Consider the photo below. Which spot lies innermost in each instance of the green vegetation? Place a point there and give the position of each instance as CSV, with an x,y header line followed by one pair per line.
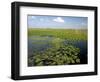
x,y
78,34
59,53
66,54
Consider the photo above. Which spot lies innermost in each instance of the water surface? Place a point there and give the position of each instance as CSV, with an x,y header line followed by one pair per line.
x,y
38,43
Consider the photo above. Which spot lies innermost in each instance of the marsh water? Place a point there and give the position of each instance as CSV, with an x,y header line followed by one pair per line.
x,y
38,43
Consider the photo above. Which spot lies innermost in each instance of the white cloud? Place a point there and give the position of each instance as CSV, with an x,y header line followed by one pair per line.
x,y
58,19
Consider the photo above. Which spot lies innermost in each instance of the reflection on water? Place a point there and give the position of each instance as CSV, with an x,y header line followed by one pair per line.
x,y
38,43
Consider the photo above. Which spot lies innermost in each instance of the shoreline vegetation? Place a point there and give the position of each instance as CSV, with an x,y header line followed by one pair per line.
x,y
61,53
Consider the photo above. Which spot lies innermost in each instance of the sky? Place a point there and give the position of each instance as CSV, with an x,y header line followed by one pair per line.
x,y
57,22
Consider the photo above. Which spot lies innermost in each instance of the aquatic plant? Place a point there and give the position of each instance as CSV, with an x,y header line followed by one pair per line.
x,y
65,54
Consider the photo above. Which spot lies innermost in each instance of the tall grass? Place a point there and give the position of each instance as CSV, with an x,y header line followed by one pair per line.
x,y
71,34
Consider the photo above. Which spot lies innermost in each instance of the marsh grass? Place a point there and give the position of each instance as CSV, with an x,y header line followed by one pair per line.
x,y
69,34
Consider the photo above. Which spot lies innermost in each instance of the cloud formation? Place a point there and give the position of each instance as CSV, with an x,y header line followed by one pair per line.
x,y
58,19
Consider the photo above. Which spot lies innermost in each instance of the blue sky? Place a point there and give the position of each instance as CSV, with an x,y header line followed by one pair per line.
x,y
60,22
